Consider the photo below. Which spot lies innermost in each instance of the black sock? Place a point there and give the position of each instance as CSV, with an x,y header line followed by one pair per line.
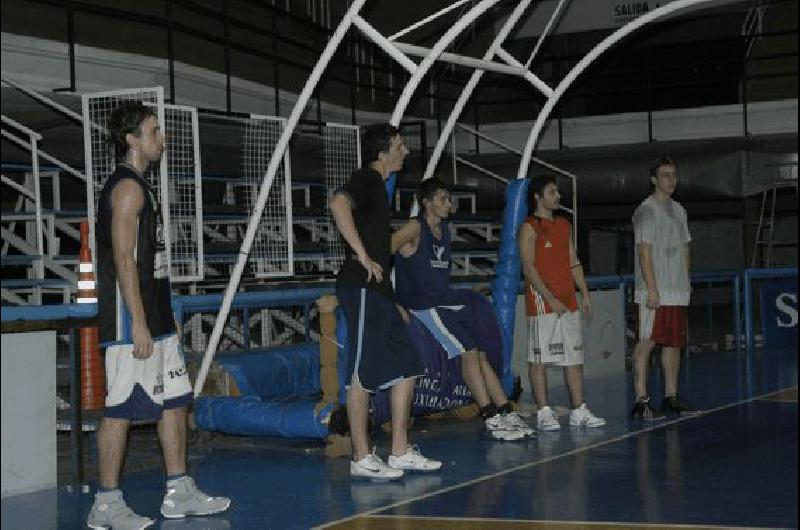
x,y
505,408
488,411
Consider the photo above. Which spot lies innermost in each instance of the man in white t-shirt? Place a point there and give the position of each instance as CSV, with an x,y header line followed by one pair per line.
x,y
662,289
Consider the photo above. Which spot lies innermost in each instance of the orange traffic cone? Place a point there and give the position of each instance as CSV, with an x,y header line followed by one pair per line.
x,y
93,386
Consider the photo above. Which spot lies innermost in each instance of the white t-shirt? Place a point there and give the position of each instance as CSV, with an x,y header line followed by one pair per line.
x,y
664,226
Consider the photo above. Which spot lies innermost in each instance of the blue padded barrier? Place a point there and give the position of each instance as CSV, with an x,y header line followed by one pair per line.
x,y
277,372
253,416
280,388
505,287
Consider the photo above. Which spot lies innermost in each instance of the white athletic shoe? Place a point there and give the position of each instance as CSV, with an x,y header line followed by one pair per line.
x,y
515,420
546,420
373,467
499,429
413,460
110,512
583,416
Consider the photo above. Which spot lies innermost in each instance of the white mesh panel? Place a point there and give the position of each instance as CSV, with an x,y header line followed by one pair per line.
x,y
99,150
185,193
272,250
342,156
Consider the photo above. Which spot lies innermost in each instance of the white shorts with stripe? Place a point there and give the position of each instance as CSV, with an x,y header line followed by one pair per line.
x,y
143,388
555,340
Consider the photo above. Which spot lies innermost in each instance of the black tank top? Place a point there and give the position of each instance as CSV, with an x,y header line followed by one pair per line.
x,y
151,263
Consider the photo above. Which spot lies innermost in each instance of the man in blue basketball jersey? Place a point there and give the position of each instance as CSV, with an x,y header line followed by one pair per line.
x,y
422,278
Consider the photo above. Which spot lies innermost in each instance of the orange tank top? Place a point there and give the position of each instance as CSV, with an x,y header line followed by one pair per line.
x,y
553,265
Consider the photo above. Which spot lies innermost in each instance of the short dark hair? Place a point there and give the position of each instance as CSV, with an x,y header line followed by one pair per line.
x,y
428,188
374,139
127,119
661,161
536,187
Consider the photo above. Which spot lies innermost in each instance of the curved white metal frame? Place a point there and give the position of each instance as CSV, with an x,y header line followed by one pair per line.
x,y
418,71
469,88
423,67
350,18
605,44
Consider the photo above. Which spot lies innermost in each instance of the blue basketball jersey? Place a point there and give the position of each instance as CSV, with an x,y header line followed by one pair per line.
x,y
422,280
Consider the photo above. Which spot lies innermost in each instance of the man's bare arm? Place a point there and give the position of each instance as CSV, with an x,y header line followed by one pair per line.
x,y
648,274
580,278
127,200
406,234
688,257
342,211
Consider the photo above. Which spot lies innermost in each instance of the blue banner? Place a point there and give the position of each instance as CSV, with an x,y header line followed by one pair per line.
x,y
779,312
443,387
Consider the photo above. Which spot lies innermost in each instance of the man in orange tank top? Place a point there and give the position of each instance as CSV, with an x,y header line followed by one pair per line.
x,y
551,268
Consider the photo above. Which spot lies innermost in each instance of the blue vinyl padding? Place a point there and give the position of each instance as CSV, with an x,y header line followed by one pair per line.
x,y
254,416
277,372
280,387
505,287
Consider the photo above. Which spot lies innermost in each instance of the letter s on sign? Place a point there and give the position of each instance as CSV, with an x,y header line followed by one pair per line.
x,y
786,303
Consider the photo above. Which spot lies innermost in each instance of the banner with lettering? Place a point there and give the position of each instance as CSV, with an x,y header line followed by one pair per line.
x,y
443,387
779,312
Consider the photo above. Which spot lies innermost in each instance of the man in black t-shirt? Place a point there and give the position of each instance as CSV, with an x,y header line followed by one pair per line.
x,y
381,355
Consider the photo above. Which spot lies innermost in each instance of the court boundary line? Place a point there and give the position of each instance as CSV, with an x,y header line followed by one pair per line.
x,y
614,524
528,465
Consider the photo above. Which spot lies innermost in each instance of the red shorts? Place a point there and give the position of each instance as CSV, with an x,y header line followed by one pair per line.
x,y
666,326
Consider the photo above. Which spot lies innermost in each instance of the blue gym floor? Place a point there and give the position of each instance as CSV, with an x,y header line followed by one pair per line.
x,y
735,465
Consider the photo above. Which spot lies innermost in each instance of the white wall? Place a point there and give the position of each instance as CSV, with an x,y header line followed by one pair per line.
x,y
28,412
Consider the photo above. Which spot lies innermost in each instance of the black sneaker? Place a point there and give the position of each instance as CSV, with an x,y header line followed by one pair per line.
x,y
642,410
676,405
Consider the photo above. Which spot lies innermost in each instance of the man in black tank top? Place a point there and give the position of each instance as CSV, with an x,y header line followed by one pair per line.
x,y
146,375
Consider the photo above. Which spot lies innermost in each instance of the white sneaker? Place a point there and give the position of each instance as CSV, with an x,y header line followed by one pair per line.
x,y
515,420
546,420
413,461
583,416
109,511
499,429
373,467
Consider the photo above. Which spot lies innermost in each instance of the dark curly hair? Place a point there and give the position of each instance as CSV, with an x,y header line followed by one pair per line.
x,y
127,119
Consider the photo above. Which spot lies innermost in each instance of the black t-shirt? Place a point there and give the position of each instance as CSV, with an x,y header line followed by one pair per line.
x,y
367,193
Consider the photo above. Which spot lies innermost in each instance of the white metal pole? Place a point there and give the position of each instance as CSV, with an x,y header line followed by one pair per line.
x,y
37,191
546,30
427,19
46,101
510,149
437,49
384,43
458,108
604,45
198,193
464,60
269,176
527,74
